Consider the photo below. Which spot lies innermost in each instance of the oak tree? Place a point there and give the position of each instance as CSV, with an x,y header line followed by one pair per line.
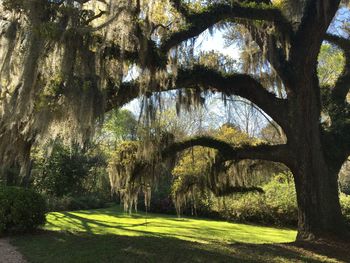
x,y
65,61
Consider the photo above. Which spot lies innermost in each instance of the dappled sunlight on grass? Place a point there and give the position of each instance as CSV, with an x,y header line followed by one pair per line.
x,y
114,221
110,235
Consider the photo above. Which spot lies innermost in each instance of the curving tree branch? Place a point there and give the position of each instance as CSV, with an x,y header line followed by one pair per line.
x,y
204,78
242,85
180,7
198,22
274,153
341,88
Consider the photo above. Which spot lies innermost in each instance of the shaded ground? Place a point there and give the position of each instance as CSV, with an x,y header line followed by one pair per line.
x,y
109,235
8,253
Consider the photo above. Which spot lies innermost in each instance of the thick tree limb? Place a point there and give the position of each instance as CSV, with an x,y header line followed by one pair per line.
x,y
341,42
213,14
240,13
115,52
200,77
342,86
119,96
198,22
242,85
180,7
274,153
315,21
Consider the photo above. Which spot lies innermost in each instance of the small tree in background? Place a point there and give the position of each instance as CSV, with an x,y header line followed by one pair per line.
x,y
65,171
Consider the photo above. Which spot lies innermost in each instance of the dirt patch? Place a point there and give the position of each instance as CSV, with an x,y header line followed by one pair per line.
x,y
8,253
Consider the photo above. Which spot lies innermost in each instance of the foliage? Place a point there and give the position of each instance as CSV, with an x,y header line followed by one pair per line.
x,y
65,171
119,125
197,178
213,59
71,178
272,133
344,184
70,203
124,168
276,206
331,62
190,179
10,175
344,178
135,167
345,204
20,209
161,201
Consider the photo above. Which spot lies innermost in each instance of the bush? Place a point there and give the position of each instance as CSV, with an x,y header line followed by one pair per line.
x,y
276,206
345,205
20,209
71,203
68,171
161,205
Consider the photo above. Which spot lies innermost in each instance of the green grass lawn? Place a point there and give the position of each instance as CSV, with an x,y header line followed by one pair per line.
x,y
109,235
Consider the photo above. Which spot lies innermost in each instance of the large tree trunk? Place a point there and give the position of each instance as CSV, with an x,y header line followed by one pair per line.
x,y
316,181
318,201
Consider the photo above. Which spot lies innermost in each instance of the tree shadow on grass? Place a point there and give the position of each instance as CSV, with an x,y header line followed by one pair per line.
x,y
54,246
336,250
51,246
77,222
169,247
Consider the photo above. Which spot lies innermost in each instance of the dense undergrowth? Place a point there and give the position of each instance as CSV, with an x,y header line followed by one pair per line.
x,y
276,206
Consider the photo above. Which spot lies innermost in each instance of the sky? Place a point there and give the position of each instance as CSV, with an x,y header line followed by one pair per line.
x,y
216,42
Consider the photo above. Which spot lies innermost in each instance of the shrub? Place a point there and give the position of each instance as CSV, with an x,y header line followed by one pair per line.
x,y
68,171
71,203
20,209
161,205
276,206
345,205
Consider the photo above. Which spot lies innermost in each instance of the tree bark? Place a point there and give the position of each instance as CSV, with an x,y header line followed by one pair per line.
x,y
319,212
316,179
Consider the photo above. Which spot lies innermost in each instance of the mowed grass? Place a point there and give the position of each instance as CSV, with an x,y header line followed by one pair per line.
x,y
110,235
113,221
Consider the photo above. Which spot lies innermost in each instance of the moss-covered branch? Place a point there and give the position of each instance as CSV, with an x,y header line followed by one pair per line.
x,y
180,7
207,79
274,153
200,21
242,85
114,51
